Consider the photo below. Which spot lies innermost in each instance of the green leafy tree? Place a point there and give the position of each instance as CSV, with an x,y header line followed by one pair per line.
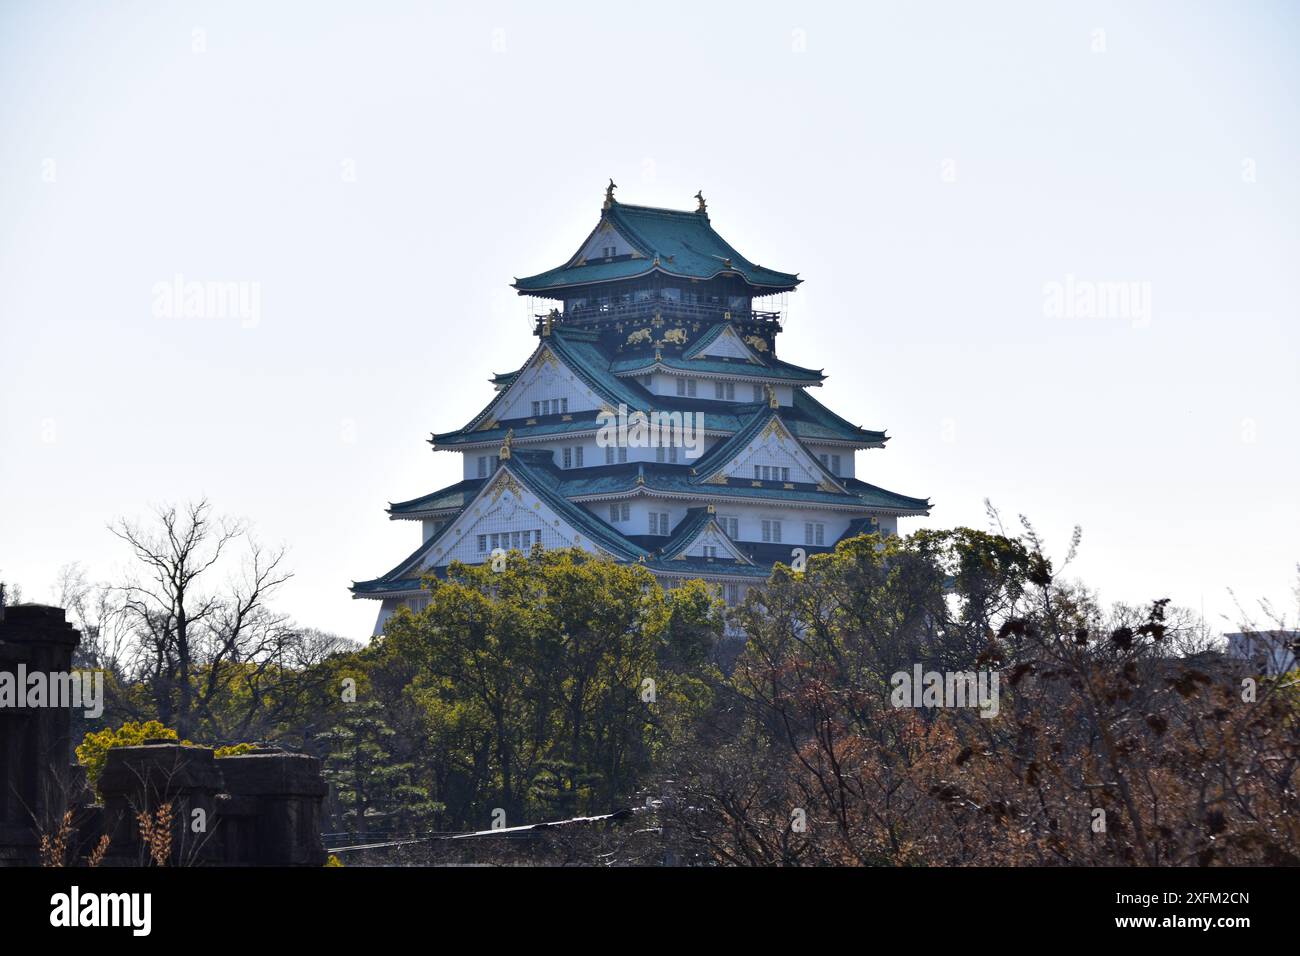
x,y
551,683
92,752
375,790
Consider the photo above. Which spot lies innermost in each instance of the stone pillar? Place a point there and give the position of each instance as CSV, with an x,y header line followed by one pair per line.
x,y
143,779
272,816
36,787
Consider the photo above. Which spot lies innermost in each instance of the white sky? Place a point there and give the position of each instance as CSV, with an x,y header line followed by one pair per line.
x,y
481,137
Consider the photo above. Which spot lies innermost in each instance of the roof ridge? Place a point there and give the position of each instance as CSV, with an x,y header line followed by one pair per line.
x,y
638,206
723,451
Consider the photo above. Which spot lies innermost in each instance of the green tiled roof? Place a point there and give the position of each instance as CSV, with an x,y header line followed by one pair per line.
x,y
668,240
813,421
724,451
581,353
704,567
714,421
620,479
876,497
546,426
536,473
707,339
677,479
684,535
695,521
775,370
453,496
378,587
808,419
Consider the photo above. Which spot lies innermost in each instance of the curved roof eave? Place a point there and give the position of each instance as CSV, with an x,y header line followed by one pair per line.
x,y
771,287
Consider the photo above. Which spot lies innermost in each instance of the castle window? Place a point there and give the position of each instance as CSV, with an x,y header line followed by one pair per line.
x,y
482,544
731,525
537,408
814,532
567,454
835,464
622,456
577,457
771,531
785,474
758,393
482,466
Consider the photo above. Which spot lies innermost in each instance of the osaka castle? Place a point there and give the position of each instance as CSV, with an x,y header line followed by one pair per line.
x,y
652,423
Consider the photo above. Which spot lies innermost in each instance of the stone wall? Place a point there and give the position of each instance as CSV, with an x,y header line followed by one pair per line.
x,y
36,782
256,809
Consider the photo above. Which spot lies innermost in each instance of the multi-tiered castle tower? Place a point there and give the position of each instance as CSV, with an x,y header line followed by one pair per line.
x,y
653,423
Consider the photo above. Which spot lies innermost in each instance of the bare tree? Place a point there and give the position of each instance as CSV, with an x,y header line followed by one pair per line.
x,y
191,637
96,610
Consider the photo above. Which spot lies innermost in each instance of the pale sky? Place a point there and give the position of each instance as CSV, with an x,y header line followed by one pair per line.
x,y
381,171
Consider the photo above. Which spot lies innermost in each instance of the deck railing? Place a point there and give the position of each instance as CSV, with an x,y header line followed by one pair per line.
x,y
668,309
